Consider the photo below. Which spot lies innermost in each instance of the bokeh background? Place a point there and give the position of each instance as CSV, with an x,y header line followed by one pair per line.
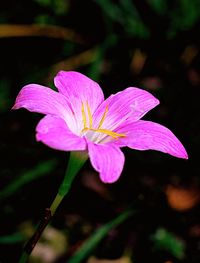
x,y
151,44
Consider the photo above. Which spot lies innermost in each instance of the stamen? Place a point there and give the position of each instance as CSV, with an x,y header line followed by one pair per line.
x,y
103,117
114,135
110,133
89,114
83,116
85,129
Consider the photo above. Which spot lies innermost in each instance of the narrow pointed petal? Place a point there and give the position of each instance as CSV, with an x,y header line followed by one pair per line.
x,y
147,135
37,98
53,132
108,160
132,102
75,85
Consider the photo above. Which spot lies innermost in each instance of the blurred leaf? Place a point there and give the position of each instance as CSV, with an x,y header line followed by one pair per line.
x,y
14,30
44,19
59,7
12,239
129,8
90,244
136,28
96,67
185,14
160,6
190,12
138,60
182,198
169,242
189,54
111,9
46,3
126,15
40,170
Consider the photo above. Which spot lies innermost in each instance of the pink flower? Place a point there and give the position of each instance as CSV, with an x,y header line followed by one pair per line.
x,y
79,119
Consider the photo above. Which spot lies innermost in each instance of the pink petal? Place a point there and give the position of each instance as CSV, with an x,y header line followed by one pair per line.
x,y
44,100
53,132
132,102
108,160
77,86
145,135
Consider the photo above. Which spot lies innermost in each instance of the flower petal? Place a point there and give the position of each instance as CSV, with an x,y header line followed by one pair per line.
x,y
37,98
132,102
76,85
53,132
108,160
145,135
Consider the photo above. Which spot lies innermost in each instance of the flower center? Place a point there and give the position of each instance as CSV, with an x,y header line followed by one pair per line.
x,y
88,119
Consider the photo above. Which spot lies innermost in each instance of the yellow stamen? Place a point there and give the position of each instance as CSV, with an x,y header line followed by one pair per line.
x,y
85,129
89,115
114,135
83,116
110,133
103,117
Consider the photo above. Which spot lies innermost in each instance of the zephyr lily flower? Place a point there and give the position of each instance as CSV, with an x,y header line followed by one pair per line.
x,y
79,119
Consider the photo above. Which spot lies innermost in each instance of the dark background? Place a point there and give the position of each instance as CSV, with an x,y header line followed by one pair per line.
x,y
152,44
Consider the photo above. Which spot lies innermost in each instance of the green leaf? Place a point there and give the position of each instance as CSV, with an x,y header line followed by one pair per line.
x,y
96,67
44,19
40,170
89,245
112,10
12,239
61,7
160,6
137,28
164,240
127,15
184,15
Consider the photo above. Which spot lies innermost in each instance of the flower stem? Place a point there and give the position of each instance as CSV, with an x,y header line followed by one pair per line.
x,y
76,161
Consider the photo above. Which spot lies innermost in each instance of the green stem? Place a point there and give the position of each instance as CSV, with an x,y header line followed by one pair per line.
x,y
24,258
76,161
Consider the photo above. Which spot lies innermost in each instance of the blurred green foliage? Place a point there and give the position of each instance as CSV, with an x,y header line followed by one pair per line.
x,y
59,7
126,15
159,6
165,240
12,239
92,242
181,15
40,170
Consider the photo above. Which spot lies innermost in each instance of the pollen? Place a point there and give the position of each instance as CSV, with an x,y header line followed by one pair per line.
x,y
87,117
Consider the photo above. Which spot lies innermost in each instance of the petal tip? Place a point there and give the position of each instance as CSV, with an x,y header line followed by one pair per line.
x,y
157,102
14,107
108,179
185,155
179,152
